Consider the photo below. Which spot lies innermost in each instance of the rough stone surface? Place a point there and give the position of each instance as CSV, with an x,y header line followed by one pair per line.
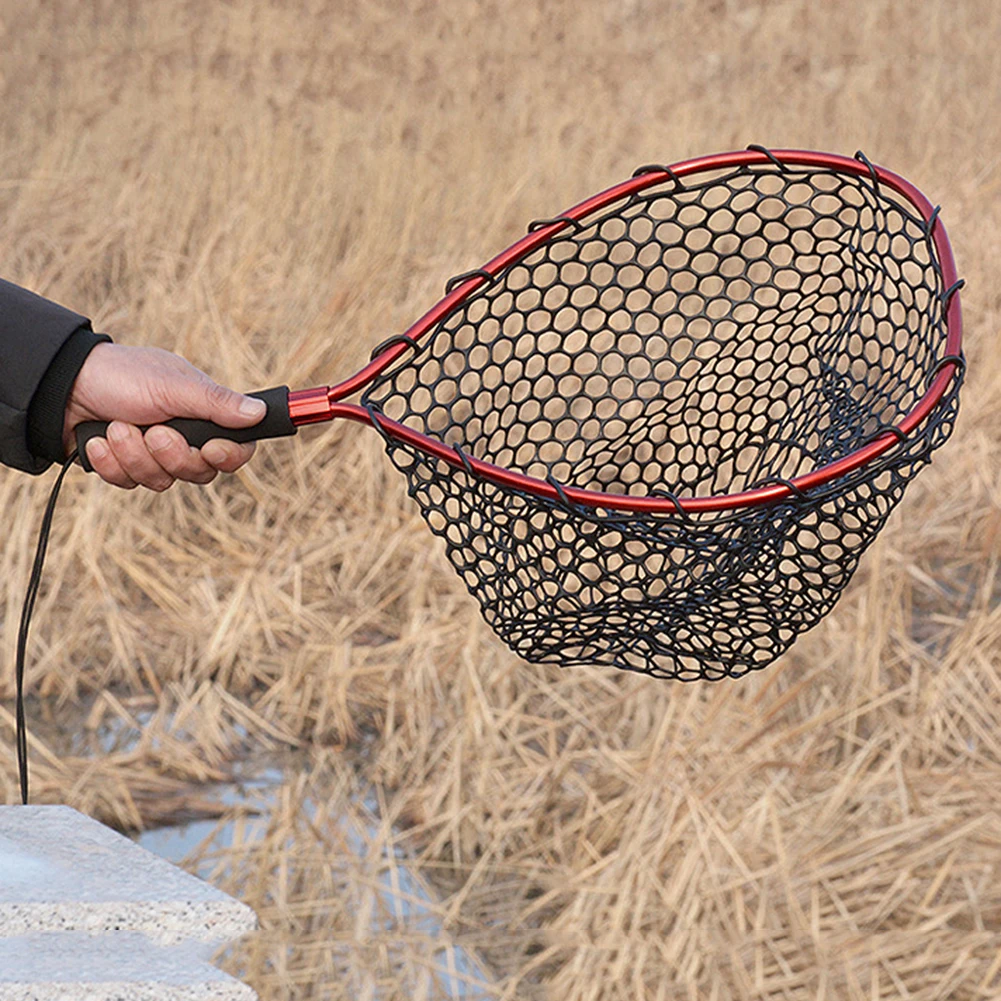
x,y
87,914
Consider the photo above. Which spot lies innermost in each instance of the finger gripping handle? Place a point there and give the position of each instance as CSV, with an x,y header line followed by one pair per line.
x,y
276,423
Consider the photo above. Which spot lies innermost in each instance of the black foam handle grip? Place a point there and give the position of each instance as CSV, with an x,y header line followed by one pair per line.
x,y
276,423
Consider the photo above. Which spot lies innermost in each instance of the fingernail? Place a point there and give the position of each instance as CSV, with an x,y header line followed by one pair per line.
x,y
252,407
216,452
97,449
157,439
117,431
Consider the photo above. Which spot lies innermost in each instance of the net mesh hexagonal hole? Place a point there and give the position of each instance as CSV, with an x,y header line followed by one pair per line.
x,y
695,339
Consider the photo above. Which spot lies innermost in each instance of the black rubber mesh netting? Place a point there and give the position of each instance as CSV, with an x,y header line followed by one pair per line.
x,y
699,340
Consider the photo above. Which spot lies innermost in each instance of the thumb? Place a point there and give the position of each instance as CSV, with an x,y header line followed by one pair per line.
x,y
204,399
232,409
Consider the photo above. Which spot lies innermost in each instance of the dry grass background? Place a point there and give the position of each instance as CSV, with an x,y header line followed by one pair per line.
x,y
272,188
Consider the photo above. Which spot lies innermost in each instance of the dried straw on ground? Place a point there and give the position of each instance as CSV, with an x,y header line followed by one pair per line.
x,y
271,189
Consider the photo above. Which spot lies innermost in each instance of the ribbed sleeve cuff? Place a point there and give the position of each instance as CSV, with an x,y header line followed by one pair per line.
x,y
47,410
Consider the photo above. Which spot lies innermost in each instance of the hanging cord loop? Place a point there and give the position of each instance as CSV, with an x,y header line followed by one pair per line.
x,y
22,636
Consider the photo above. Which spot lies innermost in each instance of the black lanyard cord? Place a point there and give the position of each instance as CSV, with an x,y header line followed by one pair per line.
x,y
22,636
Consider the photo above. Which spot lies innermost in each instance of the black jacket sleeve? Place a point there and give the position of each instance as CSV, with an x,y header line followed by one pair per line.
x,y
42,348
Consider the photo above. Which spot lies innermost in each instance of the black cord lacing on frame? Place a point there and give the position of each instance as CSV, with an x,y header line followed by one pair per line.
x,y
22,634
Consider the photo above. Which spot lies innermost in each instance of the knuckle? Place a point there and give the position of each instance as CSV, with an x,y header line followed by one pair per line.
x,y
111,471
135,471
218,396
161,397
118,480
124,448
180,463
202,477
169,453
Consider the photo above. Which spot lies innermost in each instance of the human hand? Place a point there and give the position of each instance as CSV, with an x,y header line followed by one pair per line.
x,y
132,386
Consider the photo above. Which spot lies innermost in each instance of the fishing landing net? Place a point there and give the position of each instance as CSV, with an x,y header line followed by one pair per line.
x,y
659,431
757,345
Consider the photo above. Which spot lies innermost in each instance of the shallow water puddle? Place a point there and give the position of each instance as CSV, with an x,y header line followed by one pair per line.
x,y
403,905
402,893
177,841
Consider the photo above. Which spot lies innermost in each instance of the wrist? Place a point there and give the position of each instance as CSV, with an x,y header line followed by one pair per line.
x,y
47,411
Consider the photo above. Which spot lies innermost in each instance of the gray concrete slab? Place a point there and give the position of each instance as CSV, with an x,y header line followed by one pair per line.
x,y
87,914
111,965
